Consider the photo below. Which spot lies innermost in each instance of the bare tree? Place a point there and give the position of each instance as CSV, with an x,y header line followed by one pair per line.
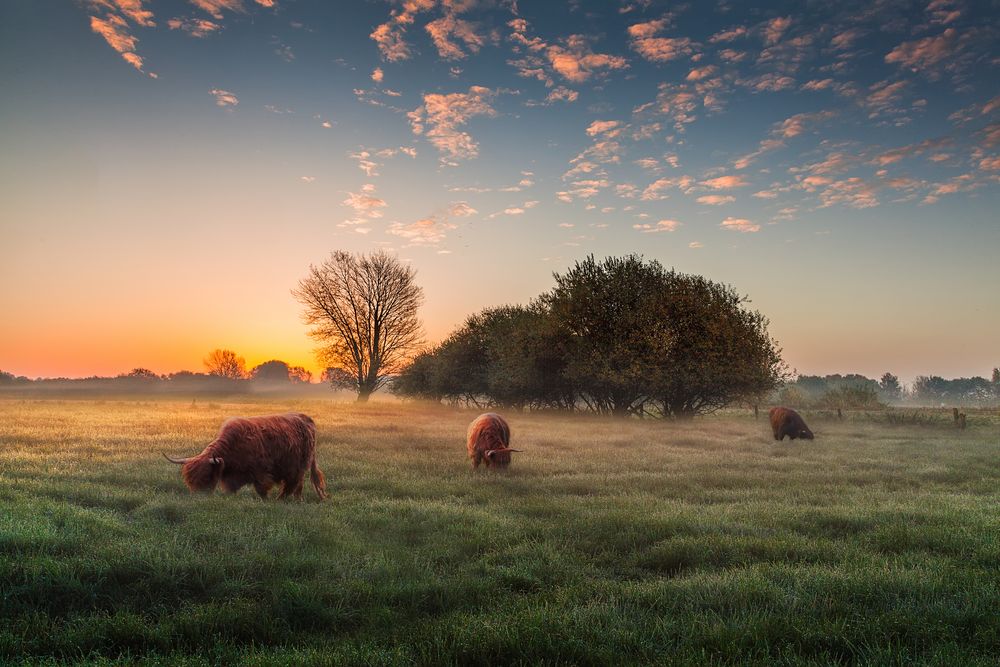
x,y
363,308
225,363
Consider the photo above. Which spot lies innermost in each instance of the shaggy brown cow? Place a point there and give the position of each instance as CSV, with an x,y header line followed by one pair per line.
x,y
785,421
489,441
263,451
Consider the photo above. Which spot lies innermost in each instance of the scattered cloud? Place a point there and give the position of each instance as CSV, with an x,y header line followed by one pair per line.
x,y
696,244
442,115
428,231
661,226
561,94
775,28
365,203
658,49
716,200
739,225
377,75
725,182
573,58
923,54
224,98
388,36
194,27
115,29
450,33
461,209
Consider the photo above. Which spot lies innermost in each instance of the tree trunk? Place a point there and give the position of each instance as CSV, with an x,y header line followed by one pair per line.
x,y
364,395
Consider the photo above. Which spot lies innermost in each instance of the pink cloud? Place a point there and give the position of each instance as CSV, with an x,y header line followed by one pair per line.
x,y
716,200
845,39
388,36
661,226
795,125
441,116
224,98
728,35
216,7
658,49
739,225
194,27
377,75
699,73
446,33
562,94
115,32
725,182
602,127
922,54
577,62
425,232
817,84
990,163
775,28
854,192
131,9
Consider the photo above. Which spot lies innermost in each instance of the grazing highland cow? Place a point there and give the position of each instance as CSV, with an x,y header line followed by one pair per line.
x,y
785,421
263,451
489,441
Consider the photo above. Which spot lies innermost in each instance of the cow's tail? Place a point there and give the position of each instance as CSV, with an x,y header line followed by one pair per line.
x,y
318,480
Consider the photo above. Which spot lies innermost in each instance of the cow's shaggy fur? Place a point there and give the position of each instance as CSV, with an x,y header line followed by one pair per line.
x,y
785,421
264,451
488,441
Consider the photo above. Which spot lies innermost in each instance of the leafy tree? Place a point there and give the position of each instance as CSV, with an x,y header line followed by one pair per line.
x,y
890,388
274,370
622,336
611,314
299,374
996,376
226,364
852,397
363,309
141,373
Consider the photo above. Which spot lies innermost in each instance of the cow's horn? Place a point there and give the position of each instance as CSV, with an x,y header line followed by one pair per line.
x,y
177,461
216,461
501,451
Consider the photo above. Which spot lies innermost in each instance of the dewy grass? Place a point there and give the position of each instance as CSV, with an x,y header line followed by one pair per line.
x,y
607,542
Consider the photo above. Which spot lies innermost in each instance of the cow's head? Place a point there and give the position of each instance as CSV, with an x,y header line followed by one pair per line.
x,y
499,458
202,472
806,434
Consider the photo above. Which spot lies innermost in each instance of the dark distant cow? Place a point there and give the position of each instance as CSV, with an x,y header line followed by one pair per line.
x,y
263,451
785,421
489,441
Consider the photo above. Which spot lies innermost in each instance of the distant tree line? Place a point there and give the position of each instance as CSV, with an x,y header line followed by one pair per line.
x,y
859,392
226,374
622,336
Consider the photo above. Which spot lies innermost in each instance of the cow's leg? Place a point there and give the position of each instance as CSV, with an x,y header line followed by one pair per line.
x,y
293,487
263,485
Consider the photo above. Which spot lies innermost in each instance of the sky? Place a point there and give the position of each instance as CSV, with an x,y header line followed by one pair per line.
x,y
169,169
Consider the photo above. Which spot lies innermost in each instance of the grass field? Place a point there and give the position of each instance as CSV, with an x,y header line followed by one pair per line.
x,y
607,542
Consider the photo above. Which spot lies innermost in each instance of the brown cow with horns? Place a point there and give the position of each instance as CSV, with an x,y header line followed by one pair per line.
x,y
489,441
263,451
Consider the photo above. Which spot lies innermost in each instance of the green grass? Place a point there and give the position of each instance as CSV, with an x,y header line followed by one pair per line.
x,y
606,543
